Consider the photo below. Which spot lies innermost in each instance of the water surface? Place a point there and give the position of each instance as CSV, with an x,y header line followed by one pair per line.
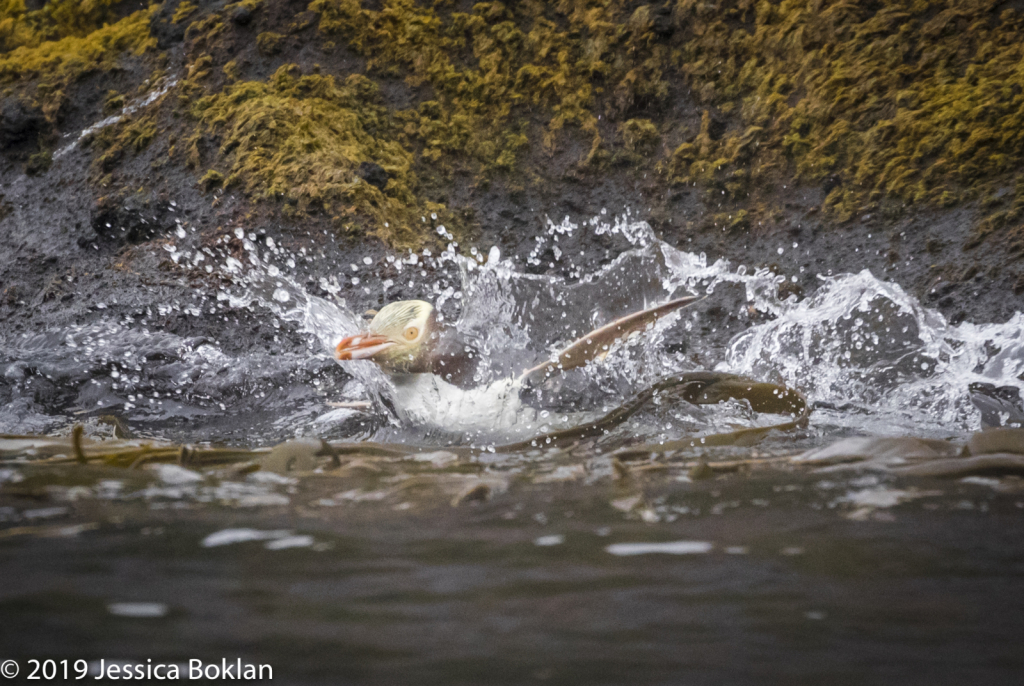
x,y
444,558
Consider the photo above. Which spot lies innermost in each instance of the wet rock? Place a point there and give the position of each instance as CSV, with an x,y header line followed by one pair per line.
x,y
241,15
996,441
166,32
661,21
19,122
717,129
10,295
373,174
999,405
130,221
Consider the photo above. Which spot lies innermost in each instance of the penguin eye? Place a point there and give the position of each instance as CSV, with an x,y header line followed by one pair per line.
x,y
411,333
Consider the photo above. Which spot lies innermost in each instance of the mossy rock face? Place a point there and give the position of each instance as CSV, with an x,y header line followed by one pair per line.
x,y
493,67
49,49
639,135
269,43
111,143
882,105
301,139
54,20
910,99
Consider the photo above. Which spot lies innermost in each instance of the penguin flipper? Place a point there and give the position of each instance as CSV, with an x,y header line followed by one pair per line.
x,y
595,345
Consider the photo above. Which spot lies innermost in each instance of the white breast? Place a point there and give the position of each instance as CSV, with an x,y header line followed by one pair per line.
x,y
429,399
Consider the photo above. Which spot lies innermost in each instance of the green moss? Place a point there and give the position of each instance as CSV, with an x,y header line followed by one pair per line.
x,y
205,30
55,53
184,11
39,163
138,134
131,135
56,19
269,43
913,99
231,71
300,139
212,179
493,67
113,102
729,221
639,135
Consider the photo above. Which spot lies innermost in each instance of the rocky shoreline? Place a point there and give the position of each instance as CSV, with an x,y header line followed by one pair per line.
x,y
83,229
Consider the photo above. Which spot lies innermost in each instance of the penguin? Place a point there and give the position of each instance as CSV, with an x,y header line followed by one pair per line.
x,y
405,337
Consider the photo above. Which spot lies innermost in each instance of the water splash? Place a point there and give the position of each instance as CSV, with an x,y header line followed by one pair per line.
x,y
873,358
868,355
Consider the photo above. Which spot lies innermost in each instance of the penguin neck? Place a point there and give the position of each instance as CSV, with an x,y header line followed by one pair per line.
x,y
452,358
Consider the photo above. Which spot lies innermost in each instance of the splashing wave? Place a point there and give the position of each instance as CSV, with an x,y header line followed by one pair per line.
x,y
867,354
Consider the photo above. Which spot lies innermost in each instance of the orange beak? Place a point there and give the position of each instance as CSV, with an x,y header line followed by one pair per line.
x,y
362,346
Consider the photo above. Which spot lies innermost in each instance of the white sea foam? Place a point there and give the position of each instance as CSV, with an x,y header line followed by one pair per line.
x,y
868,355
668,548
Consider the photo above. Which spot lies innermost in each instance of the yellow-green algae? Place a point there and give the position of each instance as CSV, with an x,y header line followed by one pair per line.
x,y
183,11
493,67
56,45
301,138
918,100
269,42
131,135
914,100
54,20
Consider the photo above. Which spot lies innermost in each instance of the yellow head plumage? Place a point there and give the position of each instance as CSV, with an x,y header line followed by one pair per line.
x,y
395,338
